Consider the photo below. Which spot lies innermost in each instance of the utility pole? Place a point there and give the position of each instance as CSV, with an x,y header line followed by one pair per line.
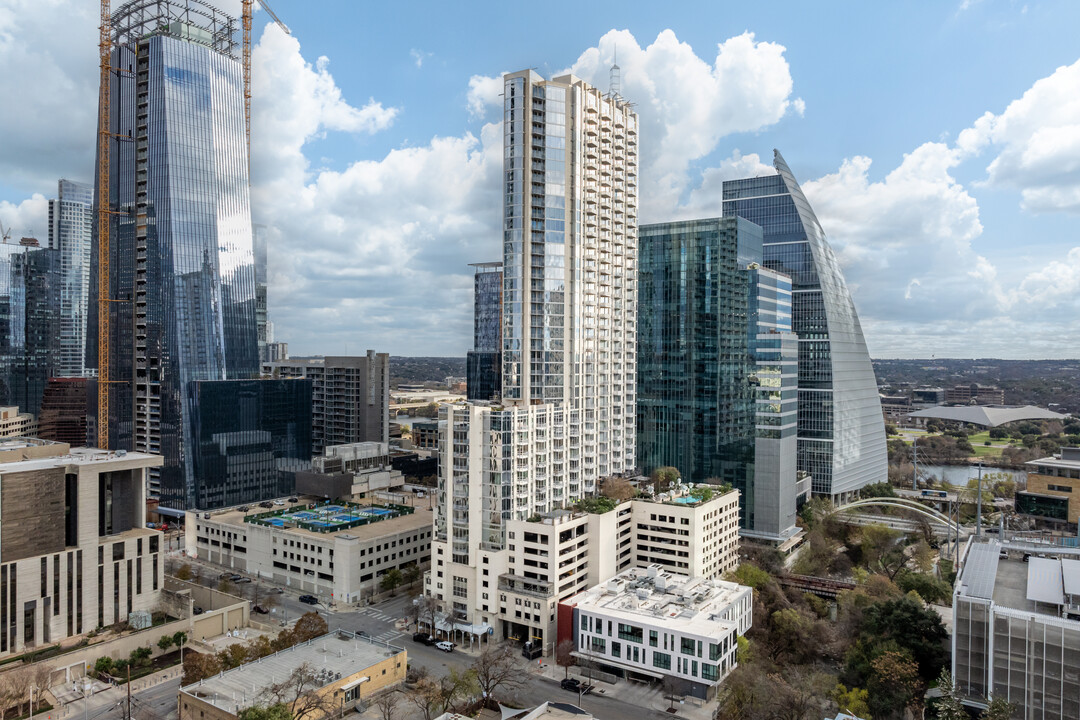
x,y
129,692
978,506
915,460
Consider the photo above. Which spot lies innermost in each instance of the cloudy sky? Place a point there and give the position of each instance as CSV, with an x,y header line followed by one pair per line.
x,y
938,142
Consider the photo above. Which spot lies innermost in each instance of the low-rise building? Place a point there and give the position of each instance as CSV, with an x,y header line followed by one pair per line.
x,y
350,471
75,553
1016,628
16,424
974,394
425,434
515,587
337,551
648,623
1053,488
336,671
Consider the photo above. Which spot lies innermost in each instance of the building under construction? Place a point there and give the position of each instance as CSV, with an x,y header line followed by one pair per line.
x,y
174,204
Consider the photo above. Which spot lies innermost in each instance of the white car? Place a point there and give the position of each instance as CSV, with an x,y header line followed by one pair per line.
x,y
279,502
445,645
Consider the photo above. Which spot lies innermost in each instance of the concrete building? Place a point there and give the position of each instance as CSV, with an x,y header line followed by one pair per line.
x,y
425,434
71,217
75,553
350,472
341,668
514,589
974,394
1053,488
16,424
63,411
1016,628
337,551
651,624
350,397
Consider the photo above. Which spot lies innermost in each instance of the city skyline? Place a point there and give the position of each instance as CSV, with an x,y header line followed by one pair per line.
x,y
920,190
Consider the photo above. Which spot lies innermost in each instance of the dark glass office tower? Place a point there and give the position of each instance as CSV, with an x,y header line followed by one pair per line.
x,y
841,433
250,438
181,268
484,362
30,281
696,402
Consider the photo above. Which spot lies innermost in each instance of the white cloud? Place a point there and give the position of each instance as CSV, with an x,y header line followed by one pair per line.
x,y
29,218
483,92
687,103
1037,139
706,199
419,56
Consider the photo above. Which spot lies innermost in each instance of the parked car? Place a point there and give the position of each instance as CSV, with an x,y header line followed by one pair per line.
x,y
260,610
197,610
309,599
275,591
571,684
266,504
242,580
243,508
423,638
279,502
225,576
294,499
362,633
445,646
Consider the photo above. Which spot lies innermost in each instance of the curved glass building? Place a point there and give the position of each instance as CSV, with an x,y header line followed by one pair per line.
x,y
841,432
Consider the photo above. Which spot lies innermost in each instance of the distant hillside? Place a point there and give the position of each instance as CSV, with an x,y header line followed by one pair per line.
x,y
410,370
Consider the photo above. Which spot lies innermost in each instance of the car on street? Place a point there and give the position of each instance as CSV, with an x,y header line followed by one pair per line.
x,y
445,646
294,499
260,610
242,580
225,576
309,599
266,504
243,508
423,638
275,591
279,502
571,684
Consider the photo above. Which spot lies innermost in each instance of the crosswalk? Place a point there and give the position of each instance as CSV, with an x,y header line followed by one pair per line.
x,y
388,636
377,614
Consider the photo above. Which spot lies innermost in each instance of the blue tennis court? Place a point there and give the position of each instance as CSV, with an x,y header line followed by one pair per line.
x,y
331,517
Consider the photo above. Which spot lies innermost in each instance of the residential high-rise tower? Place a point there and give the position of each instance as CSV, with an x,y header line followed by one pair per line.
x,y
841,433
71,217
483,363
182,277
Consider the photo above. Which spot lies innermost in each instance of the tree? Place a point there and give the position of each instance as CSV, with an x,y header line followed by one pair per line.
x,y
300,693
424,695
894,682
878,489
411,574
496,670
140,655
179,638
928,587
998,709
225,585
387,703
199,666
913,627
391,580
948,706
165,642
424,609
853,701
280,711
456,685
664,477
617,488
564,655
104,665
791,633
310,625
184,572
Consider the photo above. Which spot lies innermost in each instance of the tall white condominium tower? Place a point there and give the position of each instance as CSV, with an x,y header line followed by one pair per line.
x,y
70,225
568,326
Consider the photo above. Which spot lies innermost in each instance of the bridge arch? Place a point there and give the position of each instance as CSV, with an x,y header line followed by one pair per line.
x,y
904,504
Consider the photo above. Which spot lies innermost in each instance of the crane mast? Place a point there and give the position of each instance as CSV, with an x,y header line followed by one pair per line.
x,y
104,137
248,7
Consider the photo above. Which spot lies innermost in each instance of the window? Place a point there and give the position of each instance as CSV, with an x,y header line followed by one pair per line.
x,y
584,622
599,645
616,649
708,672
661,660
688,646
630,632
714,652
652,638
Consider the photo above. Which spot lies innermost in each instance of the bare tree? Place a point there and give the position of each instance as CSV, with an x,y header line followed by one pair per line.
x,y
387,703
424,609
496,669
426,697
300,692
564,655
617,488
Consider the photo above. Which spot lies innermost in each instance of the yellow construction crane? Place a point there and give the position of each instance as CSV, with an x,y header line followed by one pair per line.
x,y
104,137
249,6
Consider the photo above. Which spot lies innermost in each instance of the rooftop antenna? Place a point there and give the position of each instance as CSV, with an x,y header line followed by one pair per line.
x,y
615,78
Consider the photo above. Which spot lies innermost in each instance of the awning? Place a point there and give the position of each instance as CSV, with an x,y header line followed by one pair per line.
x,y
168,511
354,683
472,629
605,660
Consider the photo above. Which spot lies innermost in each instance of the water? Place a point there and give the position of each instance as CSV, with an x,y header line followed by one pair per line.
x,y
960,474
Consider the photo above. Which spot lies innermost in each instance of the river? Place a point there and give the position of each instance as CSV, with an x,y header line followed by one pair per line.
x,y
960,474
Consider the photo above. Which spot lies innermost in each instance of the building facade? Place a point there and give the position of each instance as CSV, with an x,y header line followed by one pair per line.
x,y
974,394
63,411
350,398
342,565
249,438
651,624
484,362
180,235
17,424
30,291
1016,628
75,553
841,432
1053,488
71,217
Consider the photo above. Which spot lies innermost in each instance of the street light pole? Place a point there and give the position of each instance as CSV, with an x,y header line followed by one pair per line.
x,y
978,511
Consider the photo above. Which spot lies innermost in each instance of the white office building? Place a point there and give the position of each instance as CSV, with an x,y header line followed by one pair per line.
x,y
651,624
70,223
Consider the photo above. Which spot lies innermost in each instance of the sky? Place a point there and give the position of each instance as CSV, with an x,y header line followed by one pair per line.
x,y
939,143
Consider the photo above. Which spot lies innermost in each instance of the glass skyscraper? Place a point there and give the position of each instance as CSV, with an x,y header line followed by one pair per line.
x,y
841,432
483,364
182,269
30,281
250,438
71,217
